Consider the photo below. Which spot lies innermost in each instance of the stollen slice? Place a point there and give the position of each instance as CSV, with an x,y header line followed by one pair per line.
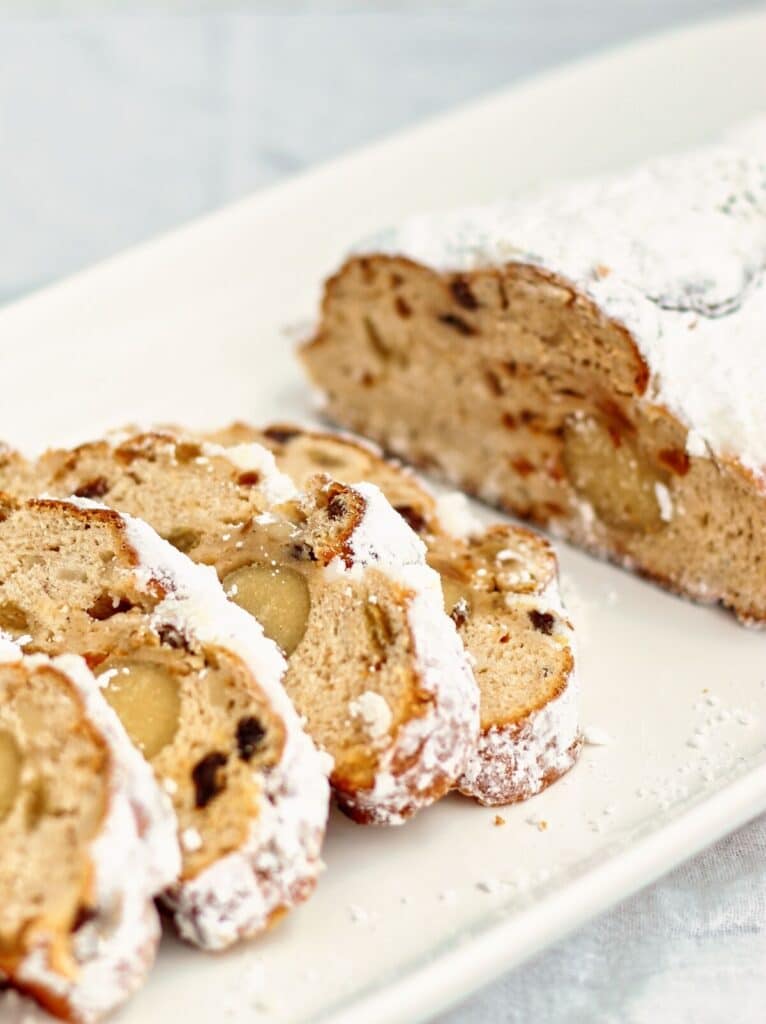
x,y
87,839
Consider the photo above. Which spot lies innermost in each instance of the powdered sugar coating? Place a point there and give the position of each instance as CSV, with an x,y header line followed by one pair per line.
x,y
10,652
275,486
428,753
675,251
374,713
455,515
134,856
278,864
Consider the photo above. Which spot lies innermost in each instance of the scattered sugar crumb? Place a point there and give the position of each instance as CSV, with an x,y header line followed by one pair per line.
x,y
374,712
539,823
448,896
103,679
358,914
492,886
595,736
664,501
191,840
170,786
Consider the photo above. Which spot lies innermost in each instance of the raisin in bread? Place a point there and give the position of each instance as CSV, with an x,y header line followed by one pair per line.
x,y
500,587
196,685
336,578
88,838
590,358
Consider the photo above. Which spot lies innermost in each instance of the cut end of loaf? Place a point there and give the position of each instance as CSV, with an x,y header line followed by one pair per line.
x,y
512,384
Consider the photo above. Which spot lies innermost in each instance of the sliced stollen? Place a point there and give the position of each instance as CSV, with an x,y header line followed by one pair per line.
x,y
590,358
196,685
87,836
500,586
337,579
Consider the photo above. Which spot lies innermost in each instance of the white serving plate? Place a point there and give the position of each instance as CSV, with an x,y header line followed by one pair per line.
x,y
190,328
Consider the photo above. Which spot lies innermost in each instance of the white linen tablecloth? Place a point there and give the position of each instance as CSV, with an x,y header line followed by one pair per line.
x,y
690,949
115,126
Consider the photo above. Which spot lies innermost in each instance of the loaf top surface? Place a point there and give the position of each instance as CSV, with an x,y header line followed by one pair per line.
x,y
675,250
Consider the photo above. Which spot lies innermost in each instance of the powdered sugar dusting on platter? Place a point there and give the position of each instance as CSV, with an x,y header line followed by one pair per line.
x,y
134,856
675,251
279,862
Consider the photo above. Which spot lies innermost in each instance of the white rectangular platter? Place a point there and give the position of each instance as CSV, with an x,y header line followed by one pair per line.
x,y
190,328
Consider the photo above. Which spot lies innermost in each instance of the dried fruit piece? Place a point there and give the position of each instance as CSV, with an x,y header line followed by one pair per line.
x,y
208,778
146,698
277,596
250,735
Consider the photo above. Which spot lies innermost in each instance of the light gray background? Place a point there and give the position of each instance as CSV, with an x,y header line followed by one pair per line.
x,y
118,121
